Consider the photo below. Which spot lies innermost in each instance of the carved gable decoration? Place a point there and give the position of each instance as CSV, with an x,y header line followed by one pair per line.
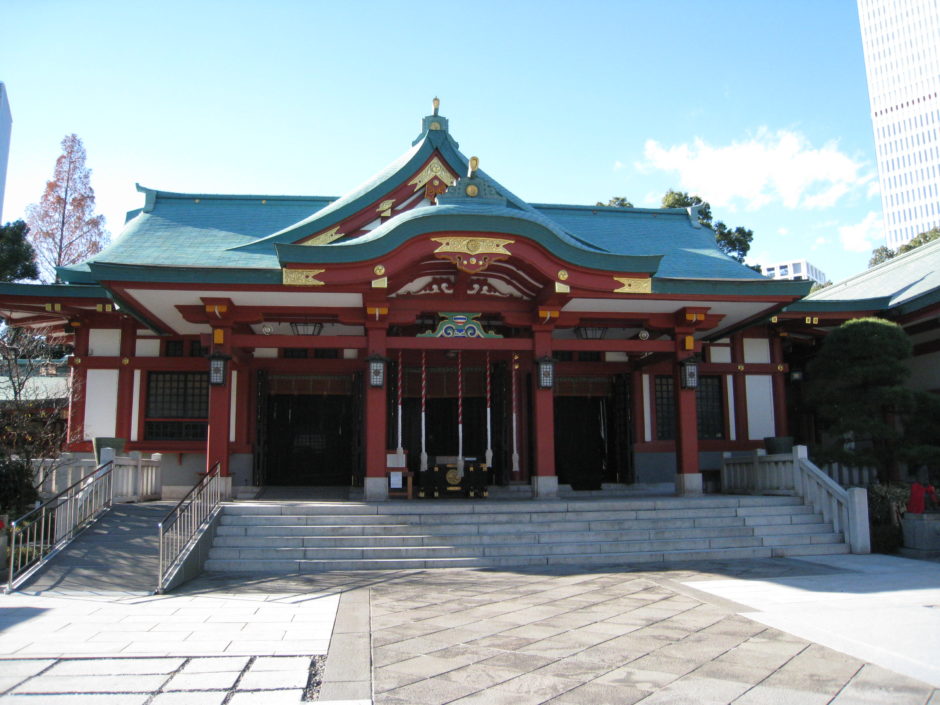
x,y
472,254
459,325
434,178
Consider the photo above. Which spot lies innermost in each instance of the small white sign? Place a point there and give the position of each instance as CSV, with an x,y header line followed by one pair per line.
x,y
394,480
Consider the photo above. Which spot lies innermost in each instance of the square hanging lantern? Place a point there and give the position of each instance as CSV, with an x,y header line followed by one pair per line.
x,y
546,370
218,369
376,371
688,374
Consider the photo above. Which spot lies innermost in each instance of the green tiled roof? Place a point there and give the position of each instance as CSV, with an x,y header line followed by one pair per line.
x,y
905,283
690,252
197,237
199,230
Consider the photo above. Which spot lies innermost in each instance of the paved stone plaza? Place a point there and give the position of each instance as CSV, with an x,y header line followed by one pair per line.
x,y
744,632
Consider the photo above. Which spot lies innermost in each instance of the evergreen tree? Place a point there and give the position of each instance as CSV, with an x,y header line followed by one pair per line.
x,y
856,386
63,227
17,258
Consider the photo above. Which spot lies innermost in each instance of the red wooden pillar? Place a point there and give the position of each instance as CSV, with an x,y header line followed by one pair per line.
x,y
376,421
689,479
220,405
125,395
781,423
77,382
545,481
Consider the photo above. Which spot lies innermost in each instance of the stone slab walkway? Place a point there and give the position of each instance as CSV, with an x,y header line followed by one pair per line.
x,y
756,632
615,637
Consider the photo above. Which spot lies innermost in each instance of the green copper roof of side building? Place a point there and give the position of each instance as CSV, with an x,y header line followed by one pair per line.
x,y
903,284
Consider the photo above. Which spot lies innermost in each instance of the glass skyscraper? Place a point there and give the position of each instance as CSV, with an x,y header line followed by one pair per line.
x,y
901,41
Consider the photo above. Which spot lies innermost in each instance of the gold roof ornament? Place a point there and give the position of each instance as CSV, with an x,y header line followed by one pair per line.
x,y
436,103
474,165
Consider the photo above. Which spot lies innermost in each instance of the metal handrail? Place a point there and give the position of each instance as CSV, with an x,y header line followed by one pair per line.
x,y
181,524
44,531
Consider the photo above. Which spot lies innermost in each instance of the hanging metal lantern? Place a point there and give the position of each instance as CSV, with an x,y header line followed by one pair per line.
x,y
376,371
218,369
546,370
688,374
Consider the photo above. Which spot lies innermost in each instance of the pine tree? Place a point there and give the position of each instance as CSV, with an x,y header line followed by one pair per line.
x,y
63,227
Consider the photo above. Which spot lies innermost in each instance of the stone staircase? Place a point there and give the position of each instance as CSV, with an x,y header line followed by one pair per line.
x,y
307,537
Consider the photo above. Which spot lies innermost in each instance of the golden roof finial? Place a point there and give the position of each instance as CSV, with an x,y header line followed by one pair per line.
x,y
474,165
436,103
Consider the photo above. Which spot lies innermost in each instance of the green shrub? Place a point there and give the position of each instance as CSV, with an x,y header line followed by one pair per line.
x,y
17,494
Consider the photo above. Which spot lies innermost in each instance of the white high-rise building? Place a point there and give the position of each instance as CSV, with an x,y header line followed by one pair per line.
x,y
6,125
795,269
901,41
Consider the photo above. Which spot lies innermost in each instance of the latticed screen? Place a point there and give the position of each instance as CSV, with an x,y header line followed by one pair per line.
x,y
711,418
172,396
665,408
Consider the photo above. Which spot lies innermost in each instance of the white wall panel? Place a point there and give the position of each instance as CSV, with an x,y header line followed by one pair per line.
x,y
760,406
101,403
757,350
147,347
104,342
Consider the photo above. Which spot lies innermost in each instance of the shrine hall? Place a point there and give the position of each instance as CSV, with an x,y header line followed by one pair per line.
x,y
429,319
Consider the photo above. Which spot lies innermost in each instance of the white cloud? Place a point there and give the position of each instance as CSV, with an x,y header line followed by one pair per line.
x,y
819,242
783,231
769,167
864,236
618,165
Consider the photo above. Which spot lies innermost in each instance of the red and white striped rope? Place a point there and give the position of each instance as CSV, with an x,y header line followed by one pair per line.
x,y
459,387
424,381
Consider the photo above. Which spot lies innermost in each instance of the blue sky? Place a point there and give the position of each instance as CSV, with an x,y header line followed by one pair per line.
x,y
759,106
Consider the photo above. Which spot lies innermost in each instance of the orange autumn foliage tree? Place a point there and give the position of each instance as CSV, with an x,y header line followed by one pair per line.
x,y
63,227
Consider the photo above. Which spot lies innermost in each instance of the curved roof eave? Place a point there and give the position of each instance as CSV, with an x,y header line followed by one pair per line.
x,y
369,191
510,221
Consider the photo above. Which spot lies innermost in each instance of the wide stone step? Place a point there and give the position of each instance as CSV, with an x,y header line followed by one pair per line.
x,y
272,566
803,539
790,529
819,549
321,538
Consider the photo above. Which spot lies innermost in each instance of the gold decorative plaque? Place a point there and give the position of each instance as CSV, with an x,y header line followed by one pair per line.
x,y
434,170
472,191
324,238
379,270
563,275
302,277
473,245
634,285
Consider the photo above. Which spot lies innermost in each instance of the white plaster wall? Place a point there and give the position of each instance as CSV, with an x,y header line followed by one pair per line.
x,y
719,353
732,420
135,406
233,407
147,347
265,352
104,342
760,406
101,403
756,350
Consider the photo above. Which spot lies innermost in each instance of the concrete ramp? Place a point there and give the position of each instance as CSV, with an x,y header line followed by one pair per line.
x,y
116,554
